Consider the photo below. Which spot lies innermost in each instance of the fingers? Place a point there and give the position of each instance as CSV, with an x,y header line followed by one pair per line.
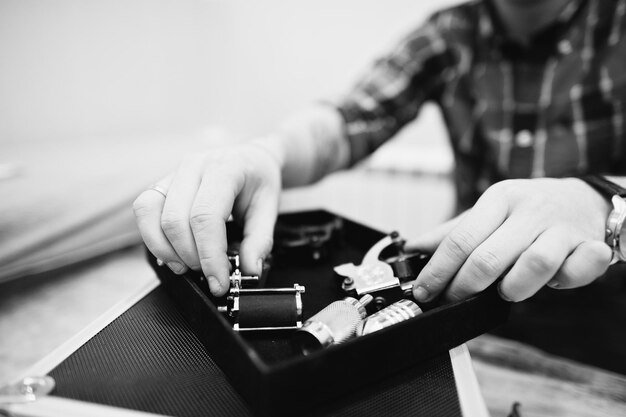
x,y
492,258
225,189
537,265
209,212
188,226
147,208
588,261
175,216
476,226
258,231
540,229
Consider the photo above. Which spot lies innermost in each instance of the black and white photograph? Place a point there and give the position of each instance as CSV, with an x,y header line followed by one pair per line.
x,y
272,208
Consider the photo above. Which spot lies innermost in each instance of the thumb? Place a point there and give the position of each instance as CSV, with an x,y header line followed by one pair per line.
x,y
429,241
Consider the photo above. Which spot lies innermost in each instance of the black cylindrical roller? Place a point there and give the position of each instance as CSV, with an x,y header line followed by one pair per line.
x,y
267,310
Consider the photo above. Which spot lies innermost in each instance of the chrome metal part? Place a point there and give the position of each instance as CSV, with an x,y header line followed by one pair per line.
x,y
334,324
395,313
372,274
26,390
237,279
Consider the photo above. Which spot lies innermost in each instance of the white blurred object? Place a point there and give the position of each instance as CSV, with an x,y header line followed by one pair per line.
x,y
422,147
72,68
70,200
8,171
412,158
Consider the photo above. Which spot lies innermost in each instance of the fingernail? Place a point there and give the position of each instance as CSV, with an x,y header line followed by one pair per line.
x,y
214,285
176,267
554,284
421,294
504,297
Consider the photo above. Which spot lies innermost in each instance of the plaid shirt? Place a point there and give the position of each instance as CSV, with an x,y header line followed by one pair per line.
x,y
553,108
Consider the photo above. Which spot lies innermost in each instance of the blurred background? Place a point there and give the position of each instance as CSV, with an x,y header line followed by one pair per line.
x,y
73,68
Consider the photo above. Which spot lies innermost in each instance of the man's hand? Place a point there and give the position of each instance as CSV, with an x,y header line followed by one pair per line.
x,y
534,232
187,228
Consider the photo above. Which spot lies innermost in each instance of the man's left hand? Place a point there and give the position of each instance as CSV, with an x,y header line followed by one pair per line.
x,y
532,232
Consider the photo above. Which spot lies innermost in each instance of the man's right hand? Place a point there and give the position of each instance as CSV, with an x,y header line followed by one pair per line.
x,y
186,228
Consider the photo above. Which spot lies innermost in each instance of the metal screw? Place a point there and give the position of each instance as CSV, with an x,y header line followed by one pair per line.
x,y
347,283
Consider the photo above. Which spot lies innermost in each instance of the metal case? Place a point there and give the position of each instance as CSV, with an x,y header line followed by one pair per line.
x,y
273,378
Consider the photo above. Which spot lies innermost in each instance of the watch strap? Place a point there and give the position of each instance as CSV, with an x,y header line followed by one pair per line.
x,y
604,186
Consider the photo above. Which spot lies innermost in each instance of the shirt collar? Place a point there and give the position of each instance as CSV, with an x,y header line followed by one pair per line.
x,y
545,42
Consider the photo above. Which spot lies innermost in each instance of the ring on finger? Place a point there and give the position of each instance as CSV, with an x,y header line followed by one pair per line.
x,y
158,189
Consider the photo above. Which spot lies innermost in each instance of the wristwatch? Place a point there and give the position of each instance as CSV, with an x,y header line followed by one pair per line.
x,y
615,224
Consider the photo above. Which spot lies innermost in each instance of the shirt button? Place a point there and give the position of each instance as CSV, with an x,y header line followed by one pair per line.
x,y
565,47
524,138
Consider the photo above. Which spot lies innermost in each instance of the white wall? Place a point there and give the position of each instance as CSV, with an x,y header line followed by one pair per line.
x,y
87,68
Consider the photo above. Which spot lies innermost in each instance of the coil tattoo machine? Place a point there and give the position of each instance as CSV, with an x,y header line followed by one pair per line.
x,y
255,309
385,266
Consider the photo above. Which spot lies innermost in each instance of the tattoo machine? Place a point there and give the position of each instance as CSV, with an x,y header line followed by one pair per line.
x,y
250,309
378,272
395,313
334,324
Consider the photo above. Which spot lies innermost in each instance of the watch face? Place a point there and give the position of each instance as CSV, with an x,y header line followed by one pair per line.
x,y
621,243
617,224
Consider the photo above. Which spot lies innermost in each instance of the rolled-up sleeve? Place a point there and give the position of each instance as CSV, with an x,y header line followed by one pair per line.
x,y
393,90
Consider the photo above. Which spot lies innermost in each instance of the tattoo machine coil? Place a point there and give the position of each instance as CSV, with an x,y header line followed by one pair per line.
x,y
253,309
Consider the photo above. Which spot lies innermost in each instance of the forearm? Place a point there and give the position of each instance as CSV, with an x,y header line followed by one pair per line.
x,y
309,145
